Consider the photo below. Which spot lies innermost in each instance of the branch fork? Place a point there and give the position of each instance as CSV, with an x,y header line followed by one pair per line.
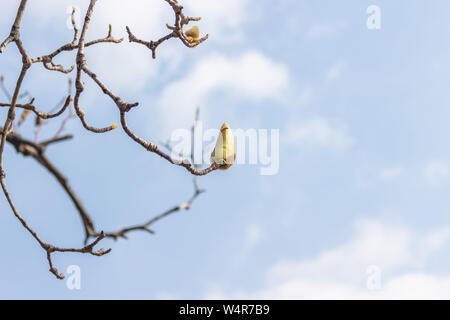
x,y
37,150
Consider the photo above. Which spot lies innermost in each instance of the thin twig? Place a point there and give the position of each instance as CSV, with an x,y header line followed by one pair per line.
x,y
177,30
47,60
43,115
37,150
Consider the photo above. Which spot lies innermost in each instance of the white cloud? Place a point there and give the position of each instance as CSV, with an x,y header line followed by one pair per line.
x,y
375,243
407,286
130,66
390,173
335,70
318,131
123,68
253,236
144,15
250,75
221,19
417,286
323,30
436,240
436,173
342,272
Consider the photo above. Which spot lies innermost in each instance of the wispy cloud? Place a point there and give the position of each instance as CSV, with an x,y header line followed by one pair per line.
x,y
340,273
335,70
323,30
391,173
250,75
319,132
223,19
253,236
436,173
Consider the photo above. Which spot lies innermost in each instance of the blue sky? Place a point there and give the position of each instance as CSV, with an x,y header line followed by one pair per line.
x,y
364,166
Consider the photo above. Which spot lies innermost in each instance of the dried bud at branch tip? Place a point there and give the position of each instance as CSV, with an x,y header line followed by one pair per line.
x,y
192,34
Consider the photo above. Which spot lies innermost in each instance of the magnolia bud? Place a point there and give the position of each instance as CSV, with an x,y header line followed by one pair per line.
x,y
224,153
192,34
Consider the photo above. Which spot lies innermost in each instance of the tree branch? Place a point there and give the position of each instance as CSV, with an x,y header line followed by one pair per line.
x,y
177,30
43,115
47,60
29,149
37,150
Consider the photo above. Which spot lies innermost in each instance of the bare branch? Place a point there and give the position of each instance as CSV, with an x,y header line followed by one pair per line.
x,y
7,134
177,30
145,227
81,66
46,246
122,233
149,146
14,34
55,140
37,150
43,115
47,60
40,123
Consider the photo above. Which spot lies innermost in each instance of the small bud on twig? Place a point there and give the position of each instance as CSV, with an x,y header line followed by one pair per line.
x,y
224,153
192,34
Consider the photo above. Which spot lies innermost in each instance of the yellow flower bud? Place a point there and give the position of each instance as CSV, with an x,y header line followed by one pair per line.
x,y
115,125
224,153
192,34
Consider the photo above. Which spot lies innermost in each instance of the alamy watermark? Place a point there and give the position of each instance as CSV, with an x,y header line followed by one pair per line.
x,y
253,146
374,20
373,281
73,281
